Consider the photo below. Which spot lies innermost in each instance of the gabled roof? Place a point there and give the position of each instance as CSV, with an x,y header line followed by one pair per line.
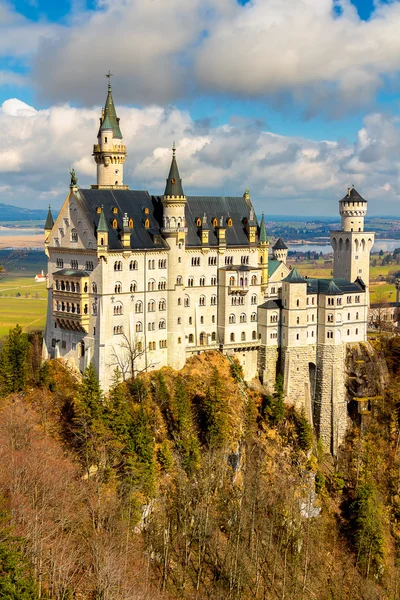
x,y
273,265
279,245
110,120
174,182
138,205
352,194
295,277
49,220
102,224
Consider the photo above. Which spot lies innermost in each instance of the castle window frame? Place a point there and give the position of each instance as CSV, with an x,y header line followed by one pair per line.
x,y
201,320
348,332
202,301
213,300
254,280
329,335
133,265
139,307
213,281
215,222
242,318
232,319
118,309
139,327
162,305
349,299
131,224
59,263
202,281
357,299
114,224
213,336
232,337
254,335
198,222
151,306
229,222
357,316
339,301
187,301
151,285
118,330
179,280
162,324
146,210
162,284
190,321
253,317
74,236
243,336
195,261
191,338
147,224
356,330
74,264
118,265
114,210
297,336
133,287
190,282
254,299
330,318
118,288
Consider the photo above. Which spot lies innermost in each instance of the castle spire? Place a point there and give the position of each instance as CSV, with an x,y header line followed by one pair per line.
x,y
174,182
109,119
48,226
109,152
263,237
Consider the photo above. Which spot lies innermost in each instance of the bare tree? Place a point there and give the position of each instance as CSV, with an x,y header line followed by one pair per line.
x,y
380,310
128,357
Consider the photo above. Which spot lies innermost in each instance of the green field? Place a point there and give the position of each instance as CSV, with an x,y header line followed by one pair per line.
x,y
22,301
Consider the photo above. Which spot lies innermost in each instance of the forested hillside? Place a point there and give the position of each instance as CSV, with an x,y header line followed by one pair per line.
x,y
188,485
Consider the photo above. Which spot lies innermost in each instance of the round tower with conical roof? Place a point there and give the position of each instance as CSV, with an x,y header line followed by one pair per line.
x,y
280,250
351,244
109,152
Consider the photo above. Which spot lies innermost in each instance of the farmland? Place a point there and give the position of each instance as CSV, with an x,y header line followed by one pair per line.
x,y
22,301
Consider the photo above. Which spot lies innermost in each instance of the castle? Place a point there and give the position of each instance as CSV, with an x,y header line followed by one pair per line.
x,y
139,282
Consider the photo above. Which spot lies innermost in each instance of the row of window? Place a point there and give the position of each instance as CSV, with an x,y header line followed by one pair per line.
x,y
239,300
242,318
202,281
151,326
89,266
71,307
243,336
242,281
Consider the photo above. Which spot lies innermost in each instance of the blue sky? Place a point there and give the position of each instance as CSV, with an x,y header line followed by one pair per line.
x,y
292,98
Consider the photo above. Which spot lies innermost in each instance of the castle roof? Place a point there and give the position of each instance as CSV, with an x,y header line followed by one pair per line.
x,y
102,224
273,265
110,119
331,287
71,273
174,182
139,206
352,194
272,304
294,277
279,245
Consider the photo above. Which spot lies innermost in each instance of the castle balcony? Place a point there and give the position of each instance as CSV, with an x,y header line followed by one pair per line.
x,y
238,289
112,148
72,321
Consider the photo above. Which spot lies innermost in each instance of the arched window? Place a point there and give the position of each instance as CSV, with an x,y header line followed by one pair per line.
x,y
232,319
94,308
202,300
232,337
179,321
162,324
253,317
179,280
94,288
133,265
138,327
330,318
162,284
151,306
254,299
139,307
118,265
254,280
329,334
243,336
118,308
133,287
229,222
202,339
213,301
130,224
191,338
118,288
190,282
213,336
162,305
151,285
254,335
202,281
242,318
115,224
231,280
215,222
147,224
187,301
198,222
74,235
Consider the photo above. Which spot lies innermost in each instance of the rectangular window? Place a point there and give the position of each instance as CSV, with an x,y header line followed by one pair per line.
x,y
73,346
63,344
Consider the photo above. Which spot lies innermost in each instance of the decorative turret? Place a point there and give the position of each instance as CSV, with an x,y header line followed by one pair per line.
x,y
109,152
222,235
263,254
48,226
174,200
280,250
102,235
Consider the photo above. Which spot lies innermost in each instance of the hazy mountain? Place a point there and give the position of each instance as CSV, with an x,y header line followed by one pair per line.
x,y
16,213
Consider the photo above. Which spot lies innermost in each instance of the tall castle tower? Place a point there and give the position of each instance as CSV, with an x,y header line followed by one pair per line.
x,y
109,152
352,245
174,231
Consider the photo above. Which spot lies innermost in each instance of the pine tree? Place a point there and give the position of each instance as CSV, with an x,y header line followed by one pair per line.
x,y
216,412
13,361
304,432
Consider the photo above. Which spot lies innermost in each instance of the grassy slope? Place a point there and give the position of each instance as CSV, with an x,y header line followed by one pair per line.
x,y
28,310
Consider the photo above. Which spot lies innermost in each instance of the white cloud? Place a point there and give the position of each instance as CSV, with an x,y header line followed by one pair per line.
x,y
286,174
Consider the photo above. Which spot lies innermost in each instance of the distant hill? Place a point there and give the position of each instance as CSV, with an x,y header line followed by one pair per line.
x,y
15,213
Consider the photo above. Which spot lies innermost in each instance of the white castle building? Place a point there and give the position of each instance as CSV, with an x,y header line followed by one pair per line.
x,y
140,282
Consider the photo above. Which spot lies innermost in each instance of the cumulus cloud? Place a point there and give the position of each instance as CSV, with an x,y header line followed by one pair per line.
x,y
163,51
286,174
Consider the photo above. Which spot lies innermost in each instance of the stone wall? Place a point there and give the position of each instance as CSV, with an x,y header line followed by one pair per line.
x,y
268,366
297,381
